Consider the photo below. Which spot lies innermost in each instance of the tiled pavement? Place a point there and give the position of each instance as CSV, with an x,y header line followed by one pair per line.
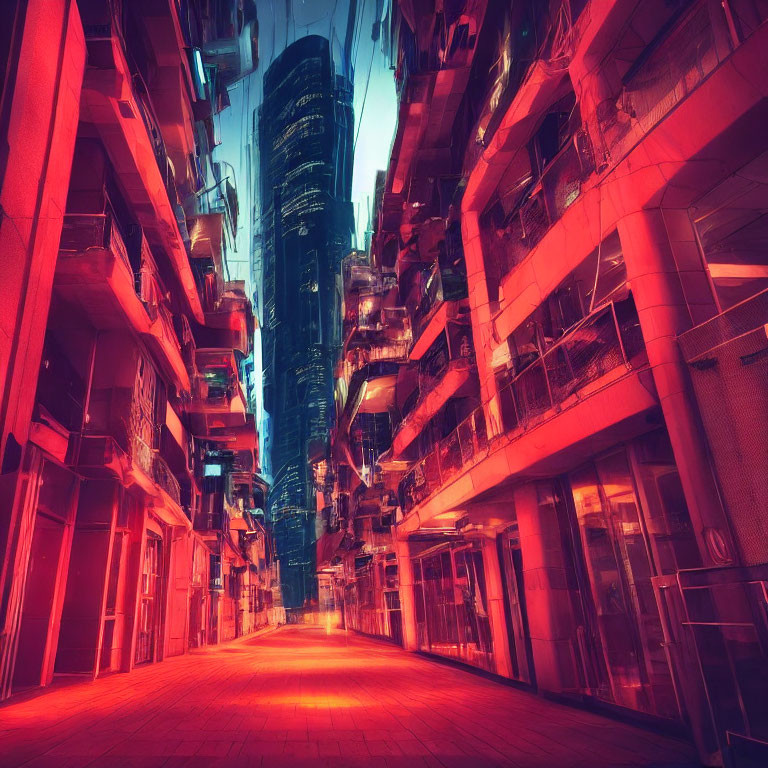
x,y
297,697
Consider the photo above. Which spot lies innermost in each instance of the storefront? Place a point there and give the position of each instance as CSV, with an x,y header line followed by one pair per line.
x,y
451,604
631,529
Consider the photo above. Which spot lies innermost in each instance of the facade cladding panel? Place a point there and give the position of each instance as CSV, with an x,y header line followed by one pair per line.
x,y
305,134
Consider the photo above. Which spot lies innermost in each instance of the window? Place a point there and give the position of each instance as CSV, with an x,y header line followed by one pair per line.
x,y
731,223
215,576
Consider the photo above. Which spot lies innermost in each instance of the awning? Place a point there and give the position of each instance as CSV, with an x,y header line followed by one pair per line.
x,y
327,545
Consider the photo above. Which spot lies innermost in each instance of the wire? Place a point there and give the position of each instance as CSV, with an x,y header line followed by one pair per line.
x,y
365,96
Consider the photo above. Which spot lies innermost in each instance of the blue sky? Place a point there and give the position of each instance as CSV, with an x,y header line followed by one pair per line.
x,y
281,22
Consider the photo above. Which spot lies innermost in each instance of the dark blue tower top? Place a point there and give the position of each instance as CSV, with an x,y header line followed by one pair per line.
x,y
305,143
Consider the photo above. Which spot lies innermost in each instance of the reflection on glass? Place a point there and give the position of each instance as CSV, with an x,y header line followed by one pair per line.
x,y
513,587
452,606
620,570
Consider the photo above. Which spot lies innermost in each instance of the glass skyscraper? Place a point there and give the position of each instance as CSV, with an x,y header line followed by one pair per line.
x,y
305,144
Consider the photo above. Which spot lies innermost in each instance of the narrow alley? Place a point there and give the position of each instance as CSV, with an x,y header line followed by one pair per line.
x,y
297,696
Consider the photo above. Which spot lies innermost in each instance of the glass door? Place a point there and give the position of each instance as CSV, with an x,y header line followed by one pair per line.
x,y
452,606
149,600
512,570
621,581
474,629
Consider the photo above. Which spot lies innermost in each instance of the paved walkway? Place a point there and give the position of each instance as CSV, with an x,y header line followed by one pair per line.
x,y
297,697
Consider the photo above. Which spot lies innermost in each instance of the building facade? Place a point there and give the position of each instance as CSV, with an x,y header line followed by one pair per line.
x,y
574,218
305,140
129,483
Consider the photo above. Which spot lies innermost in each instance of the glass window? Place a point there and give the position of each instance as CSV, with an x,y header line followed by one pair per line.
x,y
620,571
451,587
665,510
732,225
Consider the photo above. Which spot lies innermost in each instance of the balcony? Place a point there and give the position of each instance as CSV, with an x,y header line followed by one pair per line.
x,y
377,333
364,428
206,234
155,468
541,207
231,324
673,65
211,518
117,104
465,444
609,340
164,478
217,397
444,290
592,356
445,371
102,456
95,271
171,83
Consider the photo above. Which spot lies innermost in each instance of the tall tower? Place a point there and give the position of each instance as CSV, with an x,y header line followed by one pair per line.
x,y
305,135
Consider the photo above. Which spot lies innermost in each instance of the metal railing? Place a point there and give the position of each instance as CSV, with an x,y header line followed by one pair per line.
x,y
441,285
607,339
164,477
559,186
83,231
467,441
675,65
166,318
598,344
142,455
155,467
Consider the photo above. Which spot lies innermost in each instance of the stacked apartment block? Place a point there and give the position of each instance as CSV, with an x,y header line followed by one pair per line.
x,y
549,460
131,508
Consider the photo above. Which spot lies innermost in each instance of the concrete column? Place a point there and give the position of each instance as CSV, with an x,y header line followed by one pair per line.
x,y
547,593
36,148
664,314
496,614
482,326
38,125
407,601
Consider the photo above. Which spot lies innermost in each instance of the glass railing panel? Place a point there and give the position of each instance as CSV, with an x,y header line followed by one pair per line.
x,y
449,451
586,354
531,392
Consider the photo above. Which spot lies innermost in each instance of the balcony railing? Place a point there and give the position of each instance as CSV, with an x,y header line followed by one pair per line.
x,y
602,342
165,478
152,464
443,284
455,451
675,65
392,350
606,340
143,456
83,231
559,187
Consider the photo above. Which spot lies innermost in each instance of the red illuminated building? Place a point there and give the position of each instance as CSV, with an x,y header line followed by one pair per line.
x,y
549,459
131,523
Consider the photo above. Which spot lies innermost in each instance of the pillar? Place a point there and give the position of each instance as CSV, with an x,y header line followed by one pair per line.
x,y
658,292
37,139
482,323
547,593
38,123
494,588
407,600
